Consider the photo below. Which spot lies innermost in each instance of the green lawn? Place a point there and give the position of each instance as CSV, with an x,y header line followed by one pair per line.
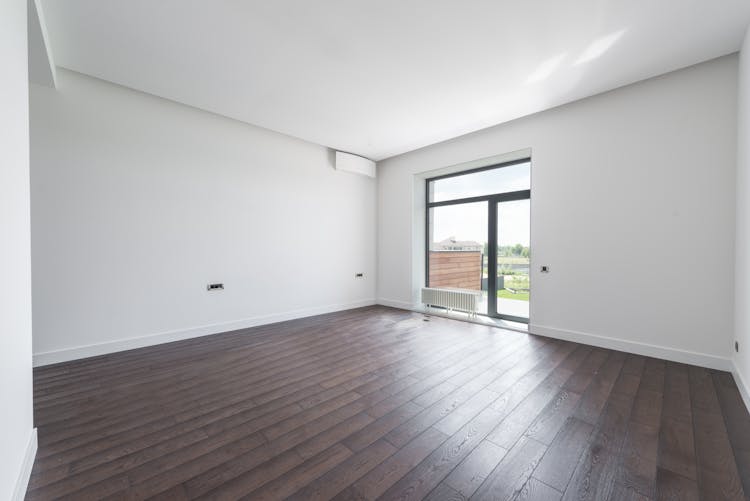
x,y
506,294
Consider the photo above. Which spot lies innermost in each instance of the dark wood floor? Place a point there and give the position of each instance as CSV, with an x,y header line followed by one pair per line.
x,y
377,402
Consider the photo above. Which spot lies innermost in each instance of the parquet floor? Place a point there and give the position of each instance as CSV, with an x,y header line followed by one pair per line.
x,y
379,403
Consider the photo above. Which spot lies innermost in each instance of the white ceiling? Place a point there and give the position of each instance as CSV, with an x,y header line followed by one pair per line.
x,y
383,77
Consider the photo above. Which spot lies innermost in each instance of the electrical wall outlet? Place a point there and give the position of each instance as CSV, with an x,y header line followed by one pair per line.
x,y
359,275
215,287
544,268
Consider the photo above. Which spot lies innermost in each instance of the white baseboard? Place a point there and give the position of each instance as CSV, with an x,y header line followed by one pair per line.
x,y
77,352
402,305
741,385
22,482
649,350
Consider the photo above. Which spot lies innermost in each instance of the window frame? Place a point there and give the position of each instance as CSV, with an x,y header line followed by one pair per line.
x,y
492,201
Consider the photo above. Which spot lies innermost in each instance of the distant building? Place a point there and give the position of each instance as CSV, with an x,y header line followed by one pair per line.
x,y
451,244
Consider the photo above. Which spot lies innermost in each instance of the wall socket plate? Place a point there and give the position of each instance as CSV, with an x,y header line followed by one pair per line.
x,y
215,287
359,275
544,268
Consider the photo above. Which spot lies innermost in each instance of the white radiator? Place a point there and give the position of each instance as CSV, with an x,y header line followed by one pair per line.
x,y
452,299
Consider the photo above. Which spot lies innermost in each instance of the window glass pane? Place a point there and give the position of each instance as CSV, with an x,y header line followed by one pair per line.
x,y
487,182
513,258
458,248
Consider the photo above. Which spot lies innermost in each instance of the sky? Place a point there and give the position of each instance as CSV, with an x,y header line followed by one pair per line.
x,y
469,221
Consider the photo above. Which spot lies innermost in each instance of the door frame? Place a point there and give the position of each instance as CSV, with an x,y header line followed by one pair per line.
x,y
492,202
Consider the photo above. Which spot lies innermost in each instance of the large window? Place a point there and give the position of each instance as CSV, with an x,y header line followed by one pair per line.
x,y
478,236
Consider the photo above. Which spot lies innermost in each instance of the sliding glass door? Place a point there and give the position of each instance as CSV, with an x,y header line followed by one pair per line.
x,y
478,226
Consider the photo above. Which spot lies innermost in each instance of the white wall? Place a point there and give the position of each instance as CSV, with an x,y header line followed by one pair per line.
x,y
16,422
742,260
138,203
632,208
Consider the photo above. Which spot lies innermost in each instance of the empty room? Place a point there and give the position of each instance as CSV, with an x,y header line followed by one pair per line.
x,y
361,250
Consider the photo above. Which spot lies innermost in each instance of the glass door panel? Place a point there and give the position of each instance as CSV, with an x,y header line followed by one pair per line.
x,y
513,258
457,238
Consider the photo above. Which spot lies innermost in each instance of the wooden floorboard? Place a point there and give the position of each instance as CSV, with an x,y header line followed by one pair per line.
x,y
384,403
